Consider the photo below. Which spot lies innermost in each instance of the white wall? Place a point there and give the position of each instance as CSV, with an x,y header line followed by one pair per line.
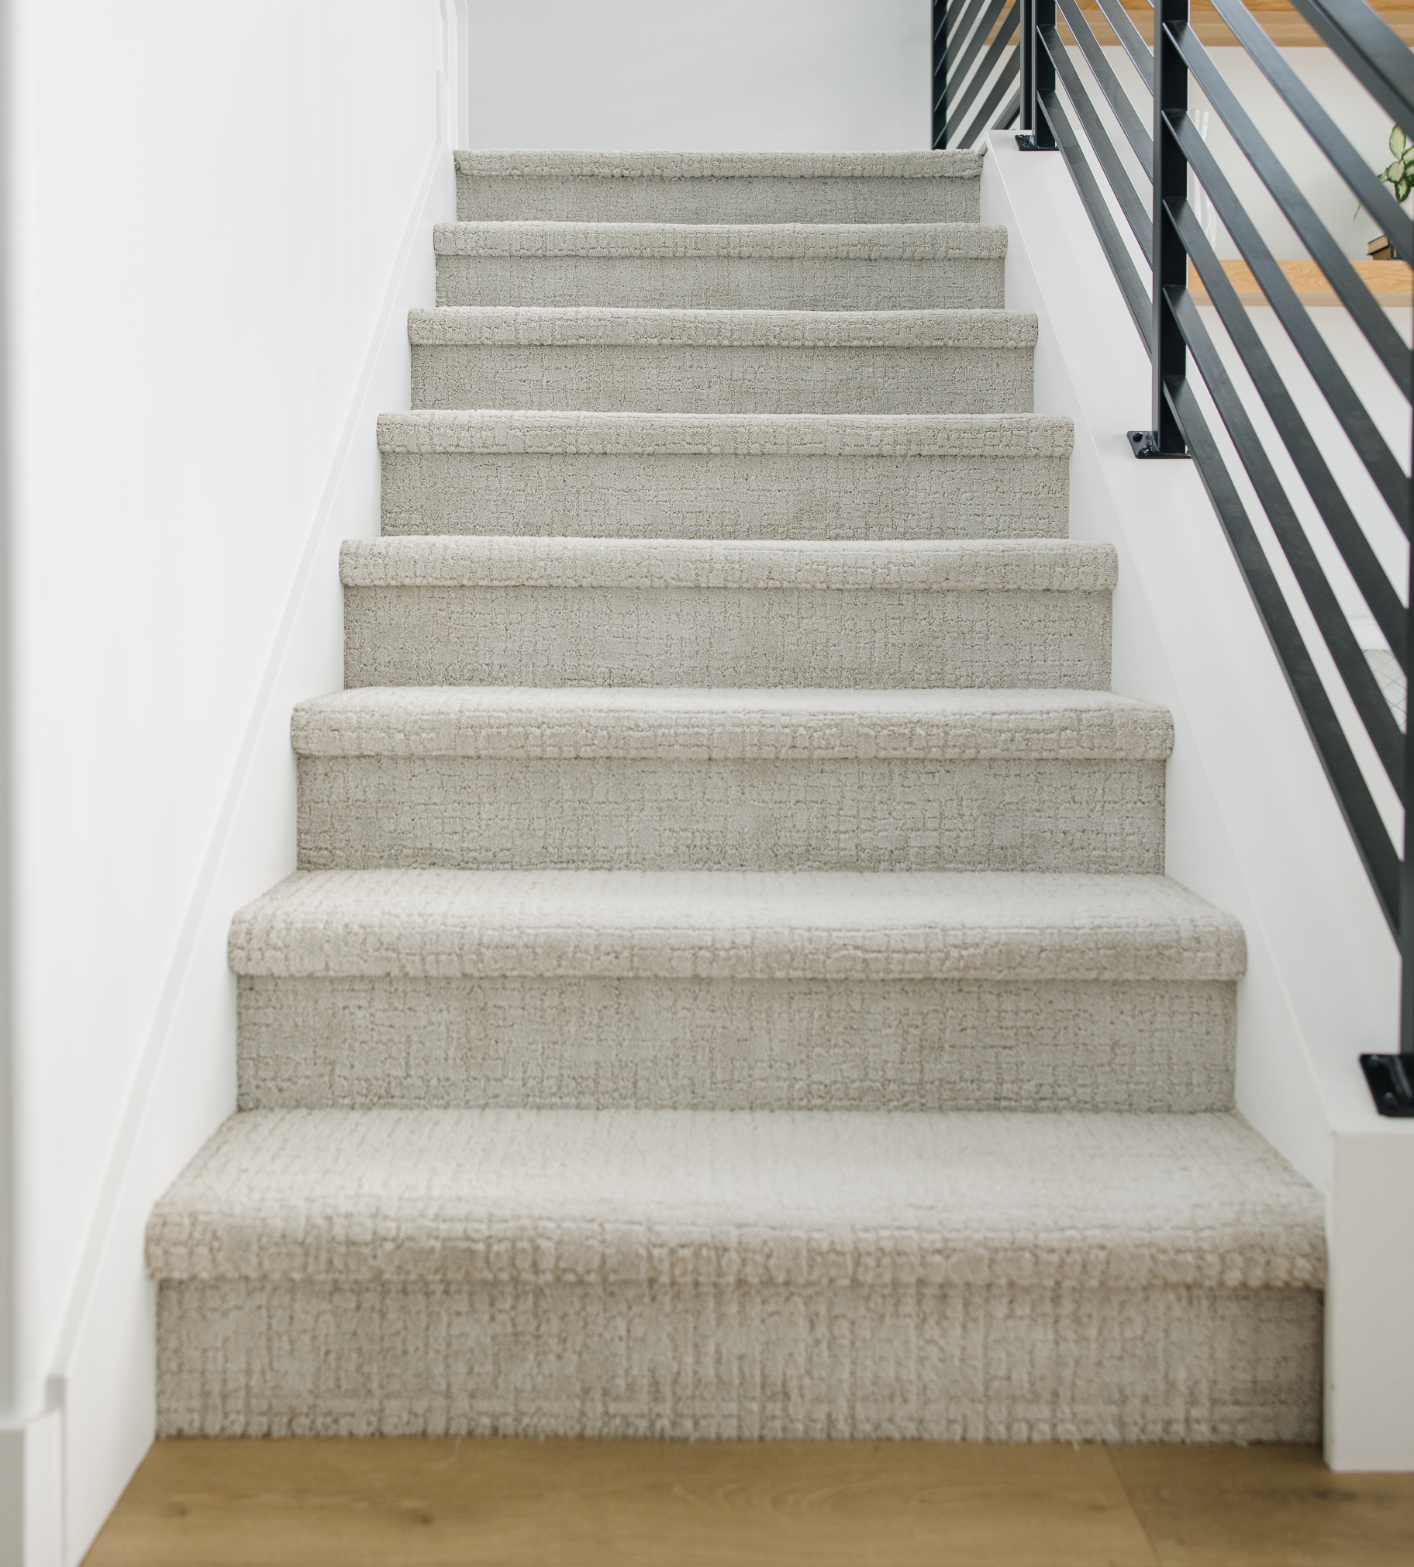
x,y
725,76
1357,114
218,216
1359,117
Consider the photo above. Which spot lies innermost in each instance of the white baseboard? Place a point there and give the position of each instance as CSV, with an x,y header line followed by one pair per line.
x,y
31,1492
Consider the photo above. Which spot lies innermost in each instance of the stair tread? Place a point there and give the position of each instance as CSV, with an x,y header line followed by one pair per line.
x,y
691,241
952,565
518,326
571,163
842,925
684,1197
739,723
429,430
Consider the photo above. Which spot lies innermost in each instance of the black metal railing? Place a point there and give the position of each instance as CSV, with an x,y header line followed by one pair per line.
x,y
978,53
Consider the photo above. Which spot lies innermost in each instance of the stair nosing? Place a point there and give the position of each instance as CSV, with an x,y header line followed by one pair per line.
x,y
732,724
687,1198
574,561
553,432
532,239
570,163
1010,927
568,326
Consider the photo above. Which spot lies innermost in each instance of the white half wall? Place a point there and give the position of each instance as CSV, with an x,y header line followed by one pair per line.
x,y
218,218
729,76
1252,823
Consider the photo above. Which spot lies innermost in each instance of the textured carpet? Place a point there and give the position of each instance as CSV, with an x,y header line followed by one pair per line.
x,y
721,476
731,988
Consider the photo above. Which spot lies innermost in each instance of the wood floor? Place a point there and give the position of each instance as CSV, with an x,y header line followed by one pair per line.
x,y
638,1504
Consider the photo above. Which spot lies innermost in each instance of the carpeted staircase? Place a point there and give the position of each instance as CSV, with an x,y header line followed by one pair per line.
x,y
731,988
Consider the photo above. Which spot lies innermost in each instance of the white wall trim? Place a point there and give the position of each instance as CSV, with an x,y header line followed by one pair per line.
x,y
31,1492
160,1036
103,1378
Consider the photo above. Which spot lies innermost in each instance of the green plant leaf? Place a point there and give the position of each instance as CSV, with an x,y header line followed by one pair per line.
x,y
1397,140
1393,172
1403,187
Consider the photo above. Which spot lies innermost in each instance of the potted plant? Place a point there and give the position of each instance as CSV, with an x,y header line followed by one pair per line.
x,y
1400,176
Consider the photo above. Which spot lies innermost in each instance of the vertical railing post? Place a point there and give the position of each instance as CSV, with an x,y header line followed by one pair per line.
x,y
1038,77
1391,1077
940,73
1170,357
1025,42
1043,73
1406,869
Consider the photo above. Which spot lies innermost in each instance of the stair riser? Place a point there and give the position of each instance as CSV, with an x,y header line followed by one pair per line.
x,y
705,379
762,199
738,497
358,812
744,1361
721,283
361,1042
550,636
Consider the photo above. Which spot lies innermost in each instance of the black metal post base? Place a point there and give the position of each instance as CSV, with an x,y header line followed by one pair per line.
x,y
1026,142
1391,1080
1145,443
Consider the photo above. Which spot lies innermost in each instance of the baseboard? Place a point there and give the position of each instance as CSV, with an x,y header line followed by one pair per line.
x,y
31,1492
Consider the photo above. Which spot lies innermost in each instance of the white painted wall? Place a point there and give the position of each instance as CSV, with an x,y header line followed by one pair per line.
x,y
1252,823
218,217
1358,116
1349,105
729,76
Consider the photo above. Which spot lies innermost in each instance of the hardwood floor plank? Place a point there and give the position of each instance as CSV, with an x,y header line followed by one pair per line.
x,y
1391,282
511,1504
478,1503
1266,1506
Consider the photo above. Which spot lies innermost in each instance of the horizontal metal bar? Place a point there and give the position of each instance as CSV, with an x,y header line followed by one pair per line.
x,y
1350,661
953,14
1126,274
1348,163
1136,213
1349,537
1352,793
1379,331
1131,40
956,71
1136,132
947,58
962,49
1371,51
983,74
1010,70
1371,447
